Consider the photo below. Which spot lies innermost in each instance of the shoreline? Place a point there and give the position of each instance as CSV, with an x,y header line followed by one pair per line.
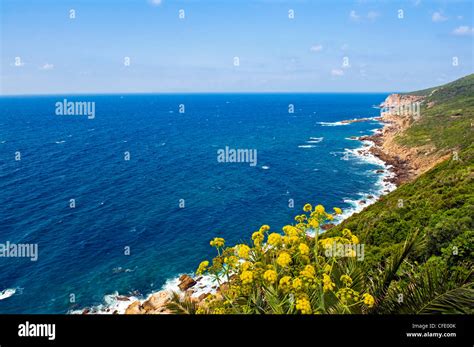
x,y
397,167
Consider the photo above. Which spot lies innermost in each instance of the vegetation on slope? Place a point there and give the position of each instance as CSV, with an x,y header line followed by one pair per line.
x,y
417,254
446,116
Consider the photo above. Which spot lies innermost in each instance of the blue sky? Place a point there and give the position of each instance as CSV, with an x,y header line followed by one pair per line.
x,y
196,54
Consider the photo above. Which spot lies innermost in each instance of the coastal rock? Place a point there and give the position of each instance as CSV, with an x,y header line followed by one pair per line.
x,y
156,303
122,298
203,296
134,308
186,282
327,226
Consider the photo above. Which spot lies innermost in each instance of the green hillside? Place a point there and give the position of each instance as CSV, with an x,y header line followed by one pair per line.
x,y
438,205
412,252
446,116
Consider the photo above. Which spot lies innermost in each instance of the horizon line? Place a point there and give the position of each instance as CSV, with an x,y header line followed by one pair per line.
x,y
197,93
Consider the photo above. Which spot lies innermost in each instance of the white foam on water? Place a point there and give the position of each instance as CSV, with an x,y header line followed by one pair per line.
x,y
208,284
332,124
383,186
265,167
6,293
113,303
315,139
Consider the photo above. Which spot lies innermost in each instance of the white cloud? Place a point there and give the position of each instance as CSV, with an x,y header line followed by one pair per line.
x,y
372,15
353,15
47,66
337,72
316,48
463,30
156,2
438,17
345,47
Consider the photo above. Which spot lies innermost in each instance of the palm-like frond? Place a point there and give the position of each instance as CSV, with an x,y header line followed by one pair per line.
x,y
435,291
181,304
381,284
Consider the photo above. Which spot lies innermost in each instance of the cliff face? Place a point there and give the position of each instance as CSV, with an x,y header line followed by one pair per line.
x,y
399,112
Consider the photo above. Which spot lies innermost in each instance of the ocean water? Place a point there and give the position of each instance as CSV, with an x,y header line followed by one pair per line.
x,y
306,156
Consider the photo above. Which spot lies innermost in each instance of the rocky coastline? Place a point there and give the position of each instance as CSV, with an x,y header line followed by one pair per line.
x,y
404,163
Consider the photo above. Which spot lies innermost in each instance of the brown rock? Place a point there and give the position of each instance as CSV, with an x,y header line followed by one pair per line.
x,y
327,226
186,282
203,296
122,298
156,303
134,308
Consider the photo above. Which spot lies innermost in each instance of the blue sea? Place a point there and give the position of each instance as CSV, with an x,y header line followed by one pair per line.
x,y
134,204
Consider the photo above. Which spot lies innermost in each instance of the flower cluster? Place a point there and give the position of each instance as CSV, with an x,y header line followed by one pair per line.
x,y
286,272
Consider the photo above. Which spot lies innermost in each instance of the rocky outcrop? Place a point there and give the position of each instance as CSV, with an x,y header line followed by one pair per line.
x,y
135,308
186,282
406,163
156,303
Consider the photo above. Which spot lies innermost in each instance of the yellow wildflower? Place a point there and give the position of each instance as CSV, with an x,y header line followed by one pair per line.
x,y
326,243
308,271
346,233
319,209
304,306
368,299
327,283
274,239
297,284
231,261
307,208
246,265
246,277
285,283
270,276
257,238
313,223
346,279
337,210
284,259
202,267
354,239
264,228
304,249
243,251
217,242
